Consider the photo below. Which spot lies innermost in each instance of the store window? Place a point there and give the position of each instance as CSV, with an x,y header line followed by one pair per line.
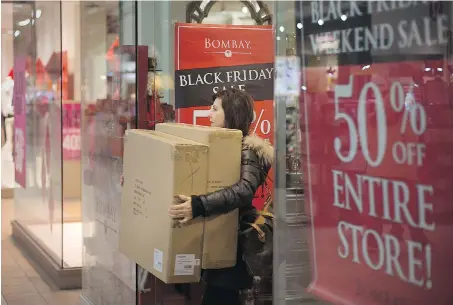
x,y
108,101
363,90
37,99
46,137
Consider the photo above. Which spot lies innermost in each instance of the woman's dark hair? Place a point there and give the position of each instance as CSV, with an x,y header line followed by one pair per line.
x,y
238,108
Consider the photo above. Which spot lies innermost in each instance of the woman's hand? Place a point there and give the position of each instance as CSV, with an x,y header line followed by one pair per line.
x,y
122,180
182,210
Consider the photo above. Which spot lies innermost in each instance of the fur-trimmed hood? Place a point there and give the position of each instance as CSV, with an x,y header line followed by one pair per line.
x,y
263,149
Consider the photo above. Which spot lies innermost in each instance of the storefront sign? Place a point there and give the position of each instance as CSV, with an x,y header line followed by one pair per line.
x,y
210,58
379,173
20,121
71,131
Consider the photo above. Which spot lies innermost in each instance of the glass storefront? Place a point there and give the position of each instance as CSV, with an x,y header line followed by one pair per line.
x,y
46,137
371,120
354,96
38,203
108,78
291,252
360,101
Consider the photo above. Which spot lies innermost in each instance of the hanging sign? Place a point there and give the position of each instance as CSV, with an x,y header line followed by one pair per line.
x,y
379,154
20,121
211,58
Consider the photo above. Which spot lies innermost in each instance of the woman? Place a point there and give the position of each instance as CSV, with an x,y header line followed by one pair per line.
x,y
232,109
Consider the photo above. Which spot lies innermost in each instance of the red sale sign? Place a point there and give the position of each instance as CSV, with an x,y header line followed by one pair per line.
x,y
71,131
379,160
211,58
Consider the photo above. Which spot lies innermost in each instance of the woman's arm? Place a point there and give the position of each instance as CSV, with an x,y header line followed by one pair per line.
x,y
238,195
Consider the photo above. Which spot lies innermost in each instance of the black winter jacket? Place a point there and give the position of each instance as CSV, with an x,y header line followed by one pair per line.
x,y
257,158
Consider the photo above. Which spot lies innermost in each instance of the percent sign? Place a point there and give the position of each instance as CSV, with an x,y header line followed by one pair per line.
x,y
415,110
413,113
264,125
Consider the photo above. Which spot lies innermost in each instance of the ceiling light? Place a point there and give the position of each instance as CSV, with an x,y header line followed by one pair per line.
x,y
344,17
366,67
320,22
427,69
278,37
304,88
299,26
282,29
440,69
16,33
245,10
38,13
24,22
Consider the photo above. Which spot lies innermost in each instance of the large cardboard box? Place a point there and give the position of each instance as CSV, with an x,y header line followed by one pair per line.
x,y
156,170
224,169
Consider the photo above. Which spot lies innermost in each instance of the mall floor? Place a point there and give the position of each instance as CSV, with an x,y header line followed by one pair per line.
x,y
21,284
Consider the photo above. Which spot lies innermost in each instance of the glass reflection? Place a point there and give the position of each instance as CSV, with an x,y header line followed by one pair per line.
x,y
108,109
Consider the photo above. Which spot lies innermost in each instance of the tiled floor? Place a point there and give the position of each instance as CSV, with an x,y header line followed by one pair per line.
x,y
21,284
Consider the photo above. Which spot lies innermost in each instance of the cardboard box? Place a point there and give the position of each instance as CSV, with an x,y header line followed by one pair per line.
x,y
156,169
224,169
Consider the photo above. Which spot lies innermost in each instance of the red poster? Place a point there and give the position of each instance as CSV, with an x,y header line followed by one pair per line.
x,y
71,131
20,120
379,157
210,58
